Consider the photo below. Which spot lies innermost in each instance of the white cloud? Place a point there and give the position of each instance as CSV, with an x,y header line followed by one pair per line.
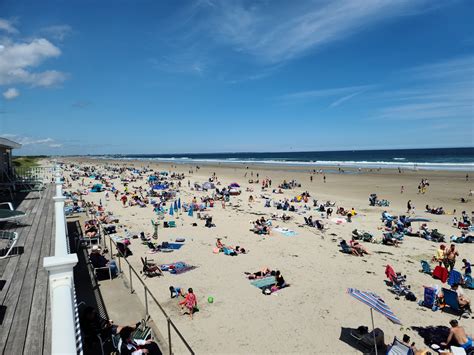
x,y
11,94
278,33
32,141
18,58
58,32
7,26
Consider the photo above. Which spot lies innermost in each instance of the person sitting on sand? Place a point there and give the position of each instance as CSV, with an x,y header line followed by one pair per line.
x,y
464,302
467,267
361,250
280,281
190,302
459,335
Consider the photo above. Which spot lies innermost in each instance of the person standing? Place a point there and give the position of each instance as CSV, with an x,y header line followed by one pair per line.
x,y
409,206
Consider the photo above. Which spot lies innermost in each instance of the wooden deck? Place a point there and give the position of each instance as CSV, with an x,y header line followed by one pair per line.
x,y
25,326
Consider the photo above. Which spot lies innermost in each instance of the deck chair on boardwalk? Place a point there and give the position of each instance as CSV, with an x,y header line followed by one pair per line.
x,y
143,332
37,186
11,238
399,348
10,214
425,267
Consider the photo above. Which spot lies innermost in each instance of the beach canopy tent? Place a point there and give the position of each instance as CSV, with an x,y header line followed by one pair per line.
x,y
152,178
165,173
96,188
234,185
375,303
208,186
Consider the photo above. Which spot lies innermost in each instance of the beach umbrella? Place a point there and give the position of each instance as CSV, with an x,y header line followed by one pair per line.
x,y
375,303
190,212
179,203
175,205
171,210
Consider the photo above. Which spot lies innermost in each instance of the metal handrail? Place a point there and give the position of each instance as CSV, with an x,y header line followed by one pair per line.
x,y
147,291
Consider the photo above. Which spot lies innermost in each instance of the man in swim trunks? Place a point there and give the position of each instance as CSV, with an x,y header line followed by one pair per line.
x,y
459,334
450,257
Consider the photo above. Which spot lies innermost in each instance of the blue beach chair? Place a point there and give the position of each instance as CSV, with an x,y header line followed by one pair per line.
x,y
426,268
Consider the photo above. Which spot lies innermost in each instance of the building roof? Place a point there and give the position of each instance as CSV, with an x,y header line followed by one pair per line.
x,y
6,143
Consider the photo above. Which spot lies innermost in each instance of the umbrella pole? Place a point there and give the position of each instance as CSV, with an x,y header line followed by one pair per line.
x,y
373,330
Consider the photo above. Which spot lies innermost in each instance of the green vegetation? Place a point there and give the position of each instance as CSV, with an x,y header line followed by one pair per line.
x,y
25,162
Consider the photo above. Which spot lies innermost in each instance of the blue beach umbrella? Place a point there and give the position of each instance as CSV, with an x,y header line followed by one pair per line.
x,y
375,303
175,205
179,203
190,212
171,210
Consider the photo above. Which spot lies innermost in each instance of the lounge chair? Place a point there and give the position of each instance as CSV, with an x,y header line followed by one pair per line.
x,y
37,186
345,248
455,277
150,269
451,302
10,214
426,268
11,238
399,348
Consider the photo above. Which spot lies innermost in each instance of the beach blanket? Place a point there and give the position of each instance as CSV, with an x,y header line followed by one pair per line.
x,y
286,232
455,277
265,282
174,246
177,268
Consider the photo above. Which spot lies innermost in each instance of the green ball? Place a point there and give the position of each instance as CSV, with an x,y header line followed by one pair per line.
x,y
210,299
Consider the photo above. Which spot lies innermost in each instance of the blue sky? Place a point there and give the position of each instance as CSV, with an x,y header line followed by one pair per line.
x,y
92,77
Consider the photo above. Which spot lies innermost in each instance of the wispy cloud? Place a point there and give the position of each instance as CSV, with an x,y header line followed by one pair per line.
x,y
7,26
80,104
343,94
33,141
57,32
275,33
11,94
435,91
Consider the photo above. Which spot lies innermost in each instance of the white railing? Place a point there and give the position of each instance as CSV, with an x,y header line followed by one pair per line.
x,y
61,283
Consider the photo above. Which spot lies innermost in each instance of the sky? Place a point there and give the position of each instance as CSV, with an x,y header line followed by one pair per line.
x,y
203,76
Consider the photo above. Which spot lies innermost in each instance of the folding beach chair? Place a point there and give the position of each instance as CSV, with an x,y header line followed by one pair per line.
x,y
455,277
36,186
429,297
426,268
11,238
451,302
468,282
150,269
399,348
10,214
440,273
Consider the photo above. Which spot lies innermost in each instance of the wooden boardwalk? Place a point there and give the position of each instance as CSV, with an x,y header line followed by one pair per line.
x,y
25,326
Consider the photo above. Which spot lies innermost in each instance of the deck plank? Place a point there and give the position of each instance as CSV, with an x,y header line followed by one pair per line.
x,y
37,323
20,273
18,334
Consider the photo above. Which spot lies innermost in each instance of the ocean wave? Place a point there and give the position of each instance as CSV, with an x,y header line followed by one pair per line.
x,y
337,163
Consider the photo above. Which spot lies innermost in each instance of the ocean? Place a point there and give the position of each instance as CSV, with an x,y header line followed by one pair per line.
x,y
461,159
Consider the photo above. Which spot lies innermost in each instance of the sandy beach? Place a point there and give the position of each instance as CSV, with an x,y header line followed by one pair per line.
x,y
308,316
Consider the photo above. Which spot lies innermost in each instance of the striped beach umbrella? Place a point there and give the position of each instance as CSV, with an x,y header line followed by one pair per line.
x,y
375,303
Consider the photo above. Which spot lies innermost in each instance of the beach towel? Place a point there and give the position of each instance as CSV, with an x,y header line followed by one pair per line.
x,y
455,277
440,273
286,232
265,282
177,268
174,246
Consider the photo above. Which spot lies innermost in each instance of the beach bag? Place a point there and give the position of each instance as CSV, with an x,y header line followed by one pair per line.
x,y
410,296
